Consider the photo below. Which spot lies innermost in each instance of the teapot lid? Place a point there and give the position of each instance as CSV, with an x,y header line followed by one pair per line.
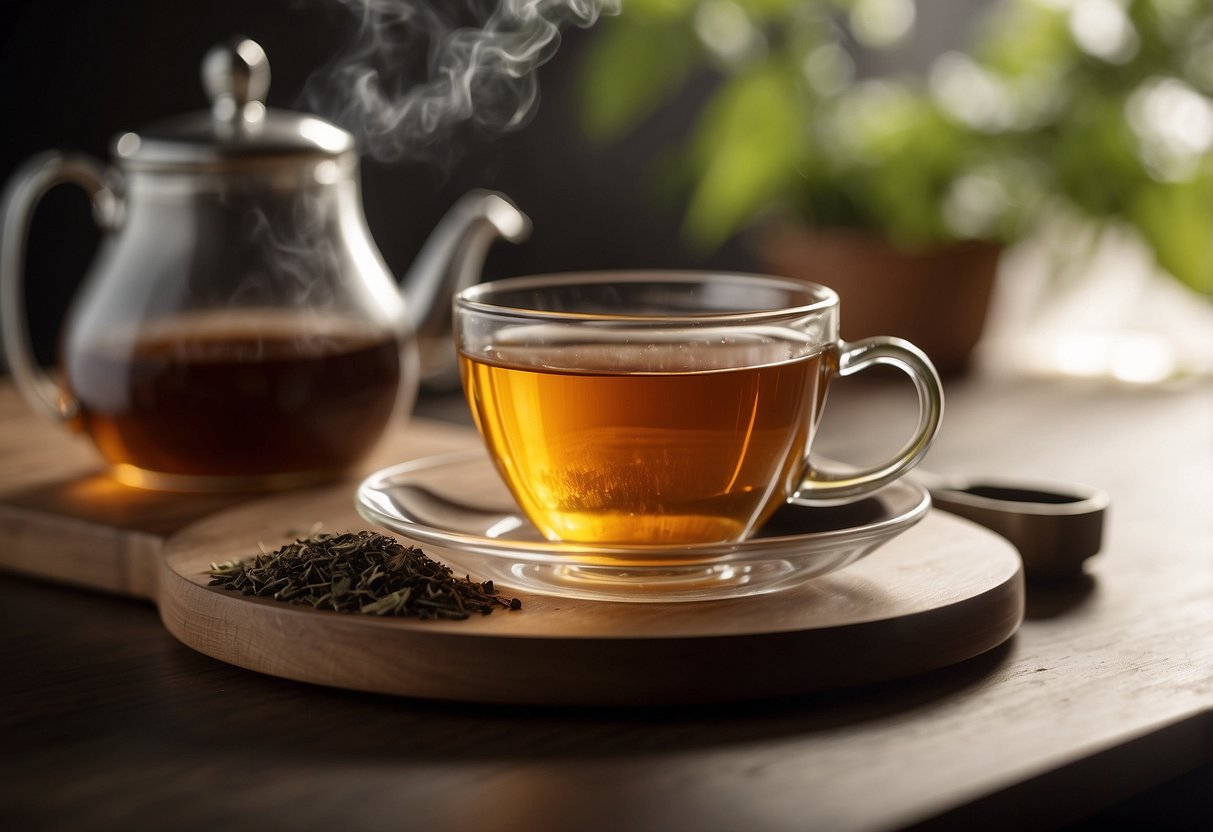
x,y
239,131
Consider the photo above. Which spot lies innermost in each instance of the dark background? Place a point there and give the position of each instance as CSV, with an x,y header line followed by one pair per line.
x,y
76,73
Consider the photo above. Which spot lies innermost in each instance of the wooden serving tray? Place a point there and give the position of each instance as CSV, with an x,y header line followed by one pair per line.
x,y
945,591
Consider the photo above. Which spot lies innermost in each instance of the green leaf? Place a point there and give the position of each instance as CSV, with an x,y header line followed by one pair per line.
x,y
746,150
1176,220
1020,38
649,10
628,72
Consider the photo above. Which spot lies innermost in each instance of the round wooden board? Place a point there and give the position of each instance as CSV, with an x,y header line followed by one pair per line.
x,y
943,592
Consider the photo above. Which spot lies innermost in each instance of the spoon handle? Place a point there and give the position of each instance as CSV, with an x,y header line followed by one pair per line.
x,y
1055,526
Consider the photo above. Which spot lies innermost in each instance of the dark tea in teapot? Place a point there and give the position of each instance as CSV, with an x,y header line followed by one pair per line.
x,y
239,397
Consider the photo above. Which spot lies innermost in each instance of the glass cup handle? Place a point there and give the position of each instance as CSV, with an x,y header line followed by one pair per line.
x,y
27,186
853,358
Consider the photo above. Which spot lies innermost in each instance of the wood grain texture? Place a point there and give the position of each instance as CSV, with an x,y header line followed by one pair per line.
x,y
943,592
1105,690
64,519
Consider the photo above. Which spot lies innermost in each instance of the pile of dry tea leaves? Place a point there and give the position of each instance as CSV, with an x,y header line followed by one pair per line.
x,y
362,572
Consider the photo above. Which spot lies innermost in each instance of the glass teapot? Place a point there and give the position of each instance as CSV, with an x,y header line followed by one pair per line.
x,y
238,328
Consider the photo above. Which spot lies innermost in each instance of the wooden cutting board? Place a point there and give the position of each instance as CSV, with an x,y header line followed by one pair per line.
x,y
943,592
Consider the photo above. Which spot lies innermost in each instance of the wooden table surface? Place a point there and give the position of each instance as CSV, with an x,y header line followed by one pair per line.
x,y
1106,691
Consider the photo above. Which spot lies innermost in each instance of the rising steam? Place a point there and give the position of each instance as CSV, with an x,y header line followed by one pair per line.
x,y
476,69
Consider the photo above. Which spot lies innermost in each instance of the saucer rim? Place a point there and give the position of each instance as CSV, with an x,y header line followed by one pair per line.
x,y
559,553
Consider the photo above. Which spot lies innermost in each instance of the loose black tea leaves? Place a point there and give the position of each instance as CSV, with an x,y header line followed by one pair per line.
x,y
362,572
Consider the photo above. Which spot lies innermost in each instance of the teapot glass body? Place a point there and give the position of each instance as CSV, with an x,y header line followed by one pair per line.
x,y
237,332
238,329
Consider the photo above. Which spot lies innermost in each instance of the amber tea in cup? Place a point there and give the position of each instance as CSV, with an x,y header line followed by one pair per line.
x,y
665,408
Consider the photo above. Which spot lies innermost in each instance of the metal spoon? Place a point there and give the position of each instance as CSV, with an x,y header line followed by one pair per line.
x,y
1054,526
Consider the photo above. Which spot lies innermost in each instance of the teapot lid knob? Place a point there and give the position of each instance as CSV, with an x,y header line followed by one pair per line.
x,y
238,131
236,77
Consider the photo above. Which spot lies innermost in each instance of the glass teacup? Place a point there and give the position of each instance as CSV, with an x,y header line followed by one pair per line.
x,y
666,407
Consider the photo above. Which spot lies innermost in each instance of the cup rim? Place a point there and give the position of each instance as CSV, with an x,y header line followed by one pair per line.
x,y
472,297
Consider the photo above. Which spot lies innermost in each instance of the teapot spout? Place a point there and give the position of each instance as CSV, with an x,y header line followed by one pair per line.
x,y
450,261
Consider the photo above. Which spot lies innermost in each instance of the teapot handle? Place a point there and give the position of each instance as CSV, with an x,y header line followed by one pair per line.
x,y
28,185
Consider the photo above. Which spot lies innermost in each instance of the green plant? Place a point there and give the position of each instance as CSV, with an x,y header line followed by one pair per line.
x,y
1098,107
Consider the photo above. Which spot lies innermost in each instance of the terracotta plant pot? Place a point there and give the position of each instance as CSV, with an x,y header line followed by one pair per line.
x,y
936,298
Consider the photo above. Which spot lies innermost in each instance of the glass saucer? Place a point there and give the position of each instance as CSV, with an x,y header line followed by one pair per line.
x,y
457,506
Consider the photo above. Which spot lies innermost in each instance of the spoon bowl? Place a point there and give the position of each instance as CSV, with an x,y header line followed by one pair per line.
x,y
1055,526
